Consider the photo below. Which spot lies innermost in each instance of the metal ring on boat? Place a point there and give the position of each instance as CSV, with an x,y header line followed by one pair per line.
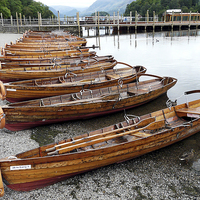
x,y
120,82
3,91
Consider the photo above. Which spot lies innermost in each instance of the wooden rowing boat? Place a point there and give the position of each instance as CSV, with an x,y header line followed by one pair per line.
x,y
40,88
46,57
80,61
52,42
120,142
15,74
52,53
49,38
39,46
85,104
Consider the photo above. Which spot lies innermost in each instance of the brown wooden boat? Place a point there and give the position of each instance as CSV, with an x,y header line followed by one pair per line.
x,y
41,46
51,36
80,61
120,142
47,57
52,42
71,83
85,104
52,53
15,74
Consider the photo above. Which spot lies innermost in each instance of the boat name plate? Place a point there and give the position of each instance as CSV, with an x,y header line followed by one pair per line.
x,y
20,167
8,89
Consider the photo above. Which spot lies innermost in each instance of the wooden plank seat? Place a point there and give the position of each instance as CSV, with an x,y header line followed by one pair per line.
x,y
135,91
189,112
112,76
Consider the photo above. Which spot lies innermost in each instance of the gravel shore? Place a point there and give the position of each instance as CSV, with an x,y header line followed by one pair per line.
x,y
157,175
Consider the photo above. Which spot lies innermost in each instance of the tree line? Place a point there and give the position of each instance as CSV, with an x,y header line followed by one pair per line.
x,y
160,6
25,7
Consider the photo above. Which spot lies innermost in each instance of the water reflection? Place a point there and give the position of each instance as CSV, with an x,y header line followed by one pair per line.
x,y
162,53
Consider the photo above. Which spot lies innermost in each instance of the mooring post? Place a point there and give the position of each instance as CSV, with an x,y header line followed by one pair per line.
x,y
118,21
59,20
39,20
17,23
20,18
24,19
78,23
136,20
97,28
1,19
172,20
153,21
147,20
96,17
190,20
88,31
165,17
109,23
11,20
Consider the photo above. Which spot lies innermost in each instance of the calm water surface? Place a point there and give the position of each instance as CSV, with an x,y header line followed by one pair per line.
x,y
165,54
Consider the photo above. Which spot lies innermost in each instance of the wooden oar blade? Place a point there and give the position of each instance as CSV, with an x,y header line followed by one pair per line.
x,y
192,92
145,122
155,125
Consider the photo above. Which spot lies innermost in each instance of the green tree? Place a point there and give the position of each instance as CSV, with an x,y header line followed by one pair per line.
x,y
159,6
3,9
14,6
101,13
25,7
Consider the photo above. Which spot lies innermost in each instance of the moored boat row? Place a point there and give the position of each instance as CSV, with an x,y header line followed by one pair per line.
x,y
46,88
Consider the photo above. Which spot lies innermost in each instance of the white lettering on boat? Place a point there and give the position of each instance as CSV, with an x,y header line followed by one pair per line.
x,y
8,89
20,167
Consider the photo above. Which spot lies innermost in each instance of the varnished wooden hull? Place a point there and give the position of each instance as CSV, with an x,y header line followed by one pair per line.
x,y
43,169
49,62
40,88
10,75
28,114
47,57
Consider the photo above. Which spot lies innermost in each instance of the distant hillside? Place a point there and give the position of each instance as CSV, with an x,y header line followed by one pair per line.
x,y
65,10
108,6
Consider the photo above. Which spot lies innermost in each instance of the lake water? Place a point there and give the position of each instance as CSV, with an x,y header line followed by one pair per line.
x,y
165,54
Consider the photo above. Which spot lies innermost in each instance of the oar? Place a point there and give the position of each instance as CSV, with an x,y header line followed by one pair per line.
x,y
142,123
1,185
152,126
192,92
125,64
93,47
